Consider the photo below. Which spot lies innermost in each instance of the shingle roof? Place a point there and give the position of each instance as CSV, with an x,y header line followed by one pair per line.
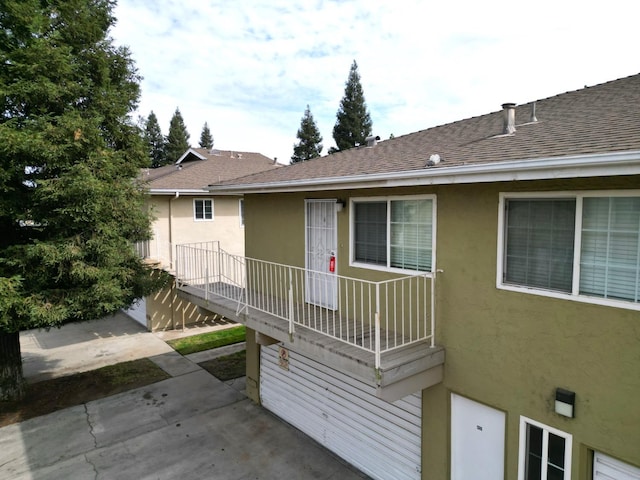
x,y
598,119
205,167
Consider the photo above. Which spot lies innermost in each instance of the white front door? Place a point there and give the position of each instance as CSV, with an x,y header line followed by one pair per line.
x,y
321,246
477,440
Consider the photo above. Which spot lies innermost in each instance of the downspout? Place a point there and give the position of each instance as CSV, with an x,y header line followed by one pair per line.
x,y
173,317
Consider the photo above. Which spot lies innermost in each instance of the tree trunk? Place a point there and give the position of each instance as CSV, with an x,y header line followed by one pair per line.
x,y
12,385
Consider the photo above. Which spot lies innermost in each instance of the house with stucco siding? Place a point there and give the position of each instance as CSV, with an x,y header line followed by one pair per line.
x,y
185,211
460,302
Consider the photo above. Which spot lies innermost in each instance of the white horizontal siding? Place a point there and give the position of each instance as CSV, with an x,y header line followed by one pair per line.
x,y
607,468
343,414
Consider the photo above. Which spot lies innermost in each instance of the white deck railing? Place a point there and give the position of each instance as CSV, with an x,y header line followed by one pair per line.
x,y
375,316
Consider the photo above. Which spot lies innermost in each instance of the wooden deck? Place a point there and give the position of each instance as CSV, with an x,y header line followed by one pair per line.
x,y
403,370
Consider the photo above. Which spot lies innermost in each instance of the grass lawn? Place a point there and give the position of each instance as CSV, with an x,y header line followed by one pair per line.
x,y
206,341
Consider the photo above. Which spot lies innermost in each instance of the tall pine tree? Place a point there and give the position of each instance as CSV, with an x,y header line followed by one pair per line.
x,y
206,139
309,139
353,122
178,138
155,141
71,208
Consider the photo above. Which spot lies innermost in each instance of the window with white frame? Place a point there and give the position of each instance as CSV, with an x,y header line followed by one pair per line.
x,y
241,211
393,233
545,452
584,245
203,209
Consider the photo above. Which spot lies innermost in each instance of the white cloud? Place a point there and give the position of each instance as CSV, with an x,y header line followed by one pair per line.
x,y
250,68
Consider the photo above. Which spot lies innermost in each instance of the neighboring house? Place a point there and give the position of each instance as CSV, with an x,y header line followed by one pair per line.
x,y
509,241
186,211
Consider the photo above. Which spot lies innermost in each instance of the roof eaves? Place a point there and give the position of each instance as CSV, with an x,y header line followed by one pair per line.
x,y
180,191
592,165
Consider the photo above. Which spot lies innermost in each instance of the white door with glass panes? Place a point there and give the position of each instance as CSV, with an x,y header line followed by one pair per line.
x,y
545,452
321,241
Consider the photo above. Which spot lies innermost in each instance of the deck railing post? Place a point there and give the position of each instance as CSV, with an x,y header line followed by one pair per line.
x,y
291,316
206,275
433,309
377,327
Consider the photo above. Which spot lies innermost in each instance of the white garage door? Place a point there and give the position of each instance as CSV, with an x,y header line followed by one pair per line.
x,y
344,415
607,468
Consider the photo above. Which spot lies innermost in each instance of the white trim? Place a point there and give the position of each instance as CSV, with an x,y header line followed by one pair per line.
x,y
391,198
195,219
192,151
173,191
241,212
574,295
546,168
546,429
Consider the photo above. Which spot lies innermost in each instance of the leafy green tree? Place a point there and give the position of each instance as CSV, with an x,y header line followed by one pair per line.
x,y
353,122
71,207
178,138
206,139
155,141
309,139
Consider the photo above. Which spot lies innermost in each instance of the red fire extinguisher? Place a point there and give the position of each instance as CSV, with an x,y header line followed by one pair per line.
x,y
332,263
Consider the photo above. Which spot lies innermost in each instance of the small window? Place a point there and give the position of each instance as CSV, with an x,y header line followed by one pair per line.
x,y
241,211
203,209
393,233
545,452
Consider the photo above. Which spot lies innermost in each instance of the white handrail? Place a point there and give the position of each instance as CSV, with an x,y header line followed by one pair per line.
x,y
374,316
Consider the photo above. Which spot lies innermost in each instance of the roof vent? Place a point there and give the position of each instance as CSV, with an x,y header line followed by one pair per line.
x,y
372,140
509,110
433,160
533,118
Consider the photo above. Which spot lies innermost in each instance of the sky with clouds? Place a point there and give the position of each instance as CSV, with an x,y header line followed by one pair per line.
x,y
249,68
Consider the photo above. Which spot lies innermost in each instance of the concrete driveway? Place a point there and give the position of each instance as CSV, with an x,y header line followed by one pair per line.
x,y
191,426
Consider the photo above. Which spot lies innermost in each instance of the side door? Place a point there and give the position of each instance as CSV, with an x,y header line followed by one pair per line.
x,y
321,242
477,440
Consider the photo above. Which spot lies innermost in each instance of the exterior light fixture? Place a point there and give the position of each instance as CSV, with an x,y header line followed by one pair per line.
x,y
565,403
340,204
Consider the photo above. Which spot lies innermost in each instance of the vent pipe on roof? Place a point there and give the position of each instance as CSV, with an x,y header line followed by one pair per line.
x,y
533,113
372,140
509,110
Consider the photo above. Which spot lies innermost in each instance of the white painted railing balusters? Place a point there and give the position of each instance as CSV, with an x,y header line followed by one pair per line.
x,y
375,316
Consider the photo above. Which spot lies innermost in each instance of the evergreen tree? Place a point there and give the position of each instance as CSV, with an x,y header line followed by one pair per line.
x,y
310,141
71,207
155,141
178,138
206,139
353,122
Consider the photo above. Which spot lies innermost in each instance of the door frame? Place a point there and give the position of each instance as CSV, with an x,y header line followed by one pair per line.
x,y
332,298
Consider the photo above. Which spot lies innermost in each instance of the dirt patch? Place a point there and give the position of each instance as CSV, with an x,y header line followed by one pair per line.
x,y
227,367
51,395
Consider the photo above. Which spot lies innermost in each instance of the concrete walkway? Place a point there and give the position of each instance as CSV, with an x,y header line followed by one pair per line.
x,y
191,426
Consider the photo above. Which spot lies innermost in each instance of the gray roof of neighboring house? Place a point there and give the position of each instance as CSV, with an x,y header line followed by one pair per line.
x,y
588,122
199,167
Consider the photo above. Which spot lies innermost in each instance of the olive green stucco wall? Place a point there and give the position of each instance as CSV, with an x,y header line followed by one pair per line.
x,y
505,349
